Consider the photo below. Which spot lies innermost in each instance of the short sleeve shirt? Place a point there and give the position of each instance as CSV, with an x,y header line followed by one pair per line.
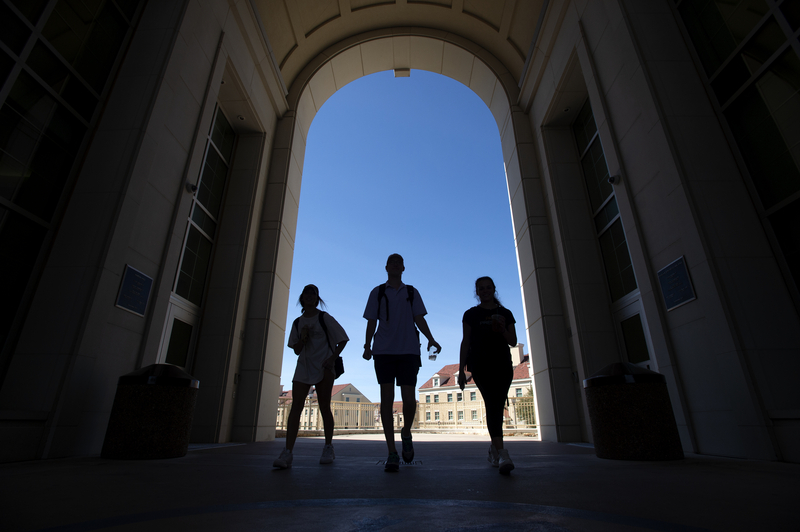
x,y
310,362
397,334
485,345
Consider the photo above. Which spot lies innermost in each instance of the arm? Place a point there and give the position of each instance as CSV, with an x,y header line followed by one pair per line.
x,y
424,329
371,325
462,361
509,332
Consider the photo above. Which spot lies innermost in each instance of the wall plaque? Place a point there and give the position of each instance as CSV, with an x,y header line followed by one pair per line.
x,y
676,286
134,291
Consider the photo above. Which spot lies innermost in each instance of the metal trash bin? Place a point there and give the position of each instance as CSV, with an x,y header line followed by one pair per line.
x,y
152,414
631,414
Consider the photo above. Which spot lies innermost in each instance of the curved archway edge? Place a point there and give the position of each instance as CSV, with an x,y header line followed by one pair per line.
x,y
464,61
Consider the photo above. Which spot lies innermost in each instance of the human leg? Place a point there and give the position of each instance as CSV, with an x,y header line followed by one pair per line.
x,y
387,415
299,394
324,388
409,413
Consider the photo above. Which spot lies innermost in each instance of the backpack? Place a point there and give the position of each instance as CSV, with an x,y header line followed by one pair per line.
x,y
339,363
382,295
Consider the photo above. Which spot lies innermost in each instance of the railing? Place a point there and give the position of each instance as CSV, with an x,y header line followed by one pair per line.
x,y
346,415
520,416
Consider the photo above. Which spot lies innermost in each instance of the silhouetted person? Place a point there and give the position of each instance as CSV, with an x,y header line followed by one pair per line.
x,y
318,340
395,309
488,333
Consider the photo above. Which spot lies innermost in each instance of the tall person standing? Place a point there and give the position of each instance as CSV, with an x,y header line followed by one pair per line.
x,y
397,311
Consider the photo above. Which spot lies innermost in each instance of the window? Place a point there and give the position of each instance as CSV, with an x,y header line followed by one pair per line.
x,y
474,415
449,397
346,399
44,121
427,416
518,392
459,396
472,396
436,382
449,415
358,399
461,415
428,398
607,222
436,415
436,398
748,52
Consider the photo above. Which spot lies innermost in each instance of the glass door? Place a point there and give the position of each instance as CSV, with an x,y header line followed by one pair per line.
x,y
186,299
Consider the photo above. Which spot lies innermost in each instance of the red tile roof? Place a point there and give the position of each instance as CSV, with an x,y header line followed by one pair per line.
x,y
447,375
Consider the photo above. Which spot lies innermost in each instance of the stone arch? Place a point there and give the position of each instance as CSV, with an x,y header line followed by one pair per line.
x,y
464,61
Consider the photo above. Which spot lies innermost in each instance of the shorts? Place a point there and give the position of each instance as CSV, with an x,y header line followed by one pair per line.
x,y
403,368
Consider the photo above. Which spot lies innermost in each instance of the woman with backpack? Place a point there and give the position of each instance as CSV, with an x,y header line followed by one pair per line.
x,y
318,339
488,333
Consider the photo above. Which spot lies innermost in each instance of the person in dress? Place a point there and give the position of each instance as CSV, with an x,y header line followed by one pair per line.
x,y
318,339
488,332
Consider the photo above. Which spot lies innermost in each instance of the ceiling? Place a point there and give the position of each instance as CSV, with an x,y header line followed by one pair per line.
x,y
299,30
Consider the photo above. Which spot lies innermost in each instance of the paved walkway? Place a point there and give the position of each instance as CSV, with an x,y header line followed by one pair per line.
x,y
450,486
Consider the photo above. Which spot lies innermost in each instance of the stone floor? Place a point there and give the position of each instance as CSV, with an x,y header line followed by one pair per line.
x,y
450,486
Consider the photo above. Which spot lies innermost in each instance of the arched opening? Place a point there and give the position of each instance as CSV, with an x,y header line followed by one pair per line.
x,y
466,63
410,165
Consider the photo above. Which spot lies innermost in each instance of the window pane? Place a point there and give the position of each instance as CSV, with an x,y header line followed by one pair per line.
x,y
584,127
203,220
6,64
17,142
595,172
194,267
20,241
635,342
607,214
617,260
765,119
32,9
47,65
13,31
223,135
31,100
752,57
45,178
212,183
87,38
786,225
128,7
717,27
179,340
791,10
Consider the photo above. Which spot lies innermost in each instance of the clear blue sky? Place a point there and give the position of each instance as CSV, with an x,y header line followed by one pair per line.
x,y
411,166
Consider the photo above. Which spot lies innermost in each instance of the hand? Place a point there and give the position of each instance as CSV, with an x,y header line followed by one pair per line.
x,y
436,345
498,323
367,353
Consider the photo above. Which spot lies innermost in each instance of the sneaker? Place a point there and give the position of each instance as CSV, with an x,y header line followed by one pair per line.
x,y
504,462
327,455
284,461
392,463
408,447
494,456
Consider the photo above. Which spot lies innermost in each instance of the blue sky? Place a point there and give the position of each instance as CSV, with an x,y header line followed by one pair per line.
x,y
411,166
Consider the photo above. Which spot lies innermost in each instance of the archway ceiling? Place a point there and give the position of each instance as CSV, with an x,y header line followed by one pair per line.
x,y
299,30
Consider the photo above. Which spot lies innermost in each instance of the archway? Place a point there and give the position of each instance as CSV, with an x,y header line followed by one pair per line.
x,y
464,61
